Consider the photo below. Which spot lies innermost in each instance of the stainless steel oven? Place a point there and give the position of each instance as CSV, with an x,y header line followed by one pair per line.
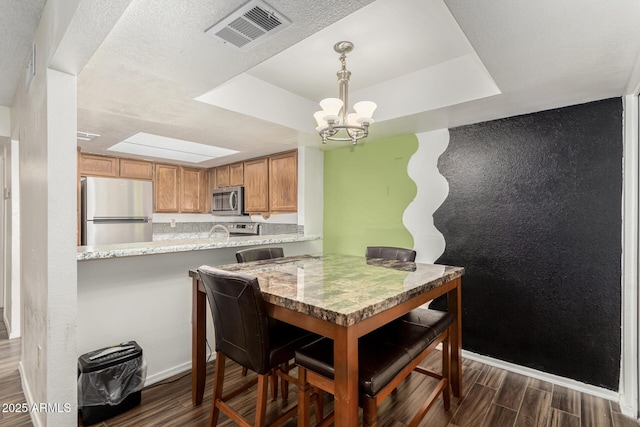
x,y
228,201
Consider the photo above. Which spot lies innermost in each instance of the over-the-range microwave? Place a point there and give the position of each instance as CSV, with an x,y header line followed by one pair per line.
x,y
228,201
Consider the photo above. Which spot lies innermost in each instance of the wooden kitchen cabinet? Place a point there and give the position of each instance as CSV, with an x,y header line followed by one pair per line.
x,y
283,182
211,185
222,176
167,188
136,169
256,185
193,190
95,165
236,174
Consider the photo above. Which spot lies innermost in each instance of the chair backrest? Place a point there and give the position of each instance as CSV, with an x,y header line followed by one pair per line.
x,y
239,317
388,252
258,254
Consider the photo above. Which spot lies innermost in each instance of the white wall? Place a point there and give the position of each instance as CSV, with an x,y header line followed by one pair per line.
x,y
311,189
12,241
44,117
432,190
148,299
5,121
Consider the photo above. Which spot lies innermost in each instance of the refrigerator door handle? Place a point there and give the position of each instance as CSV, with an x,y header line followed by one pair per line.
x,y
105,220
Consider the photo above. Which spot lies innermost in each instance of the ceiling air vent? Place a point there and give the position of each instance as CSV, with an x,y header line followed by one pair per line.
x,y
249,24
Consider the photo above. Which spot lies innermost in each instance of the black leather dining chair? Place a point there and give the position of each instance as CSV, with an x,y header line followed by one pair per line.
x,y
390,252
245,334
386,357
258,254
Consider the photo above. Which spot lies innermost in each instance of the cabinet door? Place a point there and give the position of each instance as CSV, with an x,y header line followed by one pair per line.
x,y
283,182
256,186
222,176
236,174
94,165
166,188
136,169
211,185
192,190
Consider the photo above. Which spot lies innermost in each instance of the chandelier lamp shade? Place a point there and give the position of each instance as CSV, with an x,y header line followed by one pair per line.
x,y
335,123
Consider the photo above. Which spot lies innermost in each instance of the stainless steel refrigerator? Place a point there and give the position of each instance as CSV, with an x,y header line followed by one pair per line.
x,y
116,211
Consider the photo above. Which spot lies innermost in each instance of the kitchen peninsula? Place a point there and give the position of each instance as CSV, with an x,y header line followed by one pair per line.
x,y
141,292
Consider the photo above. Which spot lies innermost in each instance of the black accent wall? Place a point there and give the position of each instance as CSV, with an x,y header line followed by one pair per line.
x,y
534,215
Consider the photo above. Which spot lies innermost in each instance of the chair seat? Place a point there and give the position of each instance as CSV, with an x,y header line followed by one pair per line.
x,y
382,354
436,320
285,339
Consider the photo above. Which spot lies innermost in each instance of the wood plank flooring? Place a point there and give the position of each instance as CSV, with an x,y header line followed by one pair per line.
x,y
493,398
10,386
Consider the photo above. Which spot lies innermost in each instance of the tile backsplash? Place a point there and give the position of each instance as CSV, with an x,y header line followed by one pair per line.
x,y
204,227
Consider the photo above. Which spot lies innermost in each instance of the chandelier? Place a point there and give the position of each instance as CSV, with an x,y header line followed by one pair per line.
x,y
334,122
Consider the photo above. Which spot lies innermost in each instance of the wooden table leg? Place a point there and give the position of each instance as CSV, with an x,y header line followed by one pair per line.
x,y
345,361
198,343
455,306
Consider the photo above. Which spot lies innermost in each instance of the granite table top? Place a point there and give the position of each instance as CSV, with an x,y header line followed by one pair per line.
x,y
342,289
187,244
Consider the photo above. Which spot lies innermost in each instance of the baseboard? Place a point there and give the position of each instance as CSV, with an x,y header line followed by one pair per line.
x,y
28,395
551,378
160,376
7,325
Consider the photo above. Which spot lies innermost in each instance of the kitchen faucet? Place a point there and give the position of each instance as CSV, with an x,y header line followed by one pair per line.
x,y
219,226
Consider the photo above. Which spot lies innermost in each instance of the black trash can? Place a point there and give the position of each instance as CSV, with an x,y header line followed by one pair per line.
x,y
110,381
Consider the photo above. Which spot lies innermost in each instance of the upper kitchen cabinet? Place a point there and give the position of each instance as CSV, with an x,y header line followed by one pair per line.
x,y
136,169
167,188
236,174
114,167
222,176
283,182
256,186
95,165
180,189
211,185
193,190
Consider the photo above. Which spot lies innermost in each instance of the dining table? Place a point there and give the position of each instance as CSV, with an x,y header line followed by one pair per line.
x,y
342,297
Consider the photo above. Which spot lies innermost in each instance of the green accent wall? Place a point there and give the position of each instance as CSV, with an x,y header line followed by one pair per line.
x,y
366,190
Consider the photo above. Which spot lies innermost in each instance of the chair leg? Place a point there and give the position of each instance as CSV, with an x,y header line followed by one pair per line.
x,y
285,384
274,384
446,373
319,404
261,406
218,383
304,398
244,371
369,413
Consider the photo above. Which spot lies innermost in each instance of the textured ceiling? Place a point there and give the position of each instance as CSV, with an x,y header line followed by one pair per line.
x,y
18,23
427,63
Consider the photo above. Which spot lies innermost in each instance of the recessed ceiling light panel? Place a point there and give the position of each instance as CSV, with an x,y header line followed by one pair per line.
x,y
149,145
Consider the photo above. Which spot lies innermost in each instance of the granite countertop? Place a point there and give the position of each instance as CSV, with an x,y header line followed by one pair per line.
x,y
195,242
343,289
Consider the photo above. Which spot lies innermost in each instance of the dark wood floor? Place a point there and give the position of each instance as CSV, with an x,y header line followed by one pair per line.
x,y
493,398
